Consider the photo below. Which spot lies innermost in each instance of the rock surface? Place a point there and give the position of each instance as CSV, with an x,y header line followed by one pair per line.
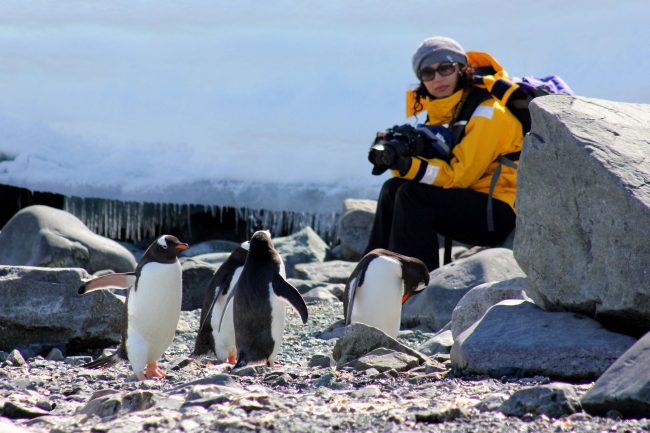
x,y
583,209
40,309
517,337
477,301
292,397
625,386
354,227
42,236
432,308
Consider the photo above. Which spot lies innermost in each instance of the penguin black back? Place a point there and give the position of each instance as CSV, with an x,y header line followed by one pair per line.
x,y
252,305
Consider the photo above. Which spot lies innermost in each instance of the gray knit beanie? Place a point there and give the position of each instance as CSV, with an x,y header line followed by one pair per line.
x,y
438,49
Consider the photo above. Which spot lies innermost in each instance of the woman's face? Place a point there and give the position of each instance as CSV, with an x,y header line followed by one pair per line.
x,y
440,79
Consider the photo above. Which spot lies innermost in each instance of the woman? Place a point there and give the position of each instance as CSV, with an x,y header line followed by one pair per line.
x,y
450,197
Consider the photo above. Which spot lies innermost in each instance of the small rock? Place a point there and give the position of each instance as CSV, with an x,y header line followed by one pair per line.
x,y
369,391
442,414
181,363
77,360
55,355
553,400
15,410
321,361
253,370
491,403
383,359
15,358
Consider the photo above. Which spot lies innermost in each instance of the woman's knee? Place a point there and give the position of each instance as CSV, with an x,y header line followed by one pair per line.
x,y
390,187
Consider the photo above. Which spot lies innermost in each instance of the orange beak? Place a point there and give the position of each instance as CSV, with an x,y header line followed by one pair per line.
x,y
405,297
182,246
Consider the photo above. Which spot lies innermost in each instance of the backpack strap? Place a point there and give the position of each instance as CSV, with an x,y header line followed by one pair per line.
x,y
509,160
471,100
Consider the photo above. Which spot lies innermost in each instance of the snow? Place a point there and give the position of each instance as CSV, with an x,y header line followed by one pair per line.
x,y
262,105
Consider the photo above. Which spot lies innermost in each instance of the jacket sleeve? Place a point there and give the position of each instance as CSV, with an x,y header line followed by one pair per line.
x,y
490,132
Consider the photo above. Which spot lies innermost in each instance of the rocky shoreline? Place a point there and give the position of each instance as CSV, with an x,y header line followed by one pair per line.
x,y
304,392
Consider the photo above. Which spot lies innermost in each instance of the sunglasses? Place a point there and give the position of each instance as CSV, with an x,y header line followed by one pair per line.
x,y
444,69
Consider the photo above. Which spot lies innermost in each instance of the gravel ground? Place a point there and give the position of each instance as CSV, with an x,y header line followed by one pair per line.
x,y
197,395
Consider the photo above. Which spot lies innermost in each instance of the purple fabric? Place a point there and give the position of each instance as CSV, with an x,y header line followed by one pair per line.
x,y
550,84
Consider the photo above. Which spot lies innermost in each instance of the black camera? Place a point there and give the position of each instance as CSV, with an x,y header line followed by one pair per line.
x,y
395,149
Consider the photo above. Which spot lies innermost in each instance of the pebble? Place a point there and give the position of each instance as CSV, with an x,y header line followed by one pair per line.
x,y
303,392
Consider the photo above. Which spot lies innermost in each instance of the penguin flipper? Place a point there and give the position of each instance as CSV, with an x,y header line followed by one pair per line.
x,y
225,306
282,288
121,280
106,361
351,292
201,345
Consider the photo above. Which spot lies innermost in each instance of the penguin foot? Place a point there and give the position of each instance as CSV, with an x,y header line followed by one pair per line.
x,y
153,371
232,358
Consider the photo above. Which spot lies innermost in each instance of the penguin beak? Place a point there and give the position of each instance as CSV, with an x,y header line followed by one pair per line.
x,y
182,246
405,297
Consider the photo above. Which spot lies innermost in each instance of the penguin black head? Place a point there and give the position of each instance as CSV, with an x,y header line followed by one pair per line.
x,y
166,248
261,245
415,275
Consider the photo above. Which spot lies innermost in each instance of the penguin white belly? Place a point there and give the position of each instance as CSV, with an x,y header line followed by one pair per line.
x,y
378,302
154,310
278,317
224,339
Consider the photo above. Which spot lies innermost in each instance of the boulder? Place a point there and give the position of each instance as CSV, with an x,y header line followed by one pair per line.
x,y
303,246
359,339
42,236
354,227
625,386
583,210
333,272
431,309
477,301
40,309
210,247
439,343
196,276
516,337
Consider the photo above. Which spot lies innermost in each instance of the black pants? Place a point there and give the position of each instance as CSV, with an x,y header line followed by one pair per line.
x,y
410,215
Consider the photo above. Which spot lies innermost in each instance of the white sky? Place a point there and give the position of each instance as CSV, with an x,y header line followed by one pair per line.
x,y
262,104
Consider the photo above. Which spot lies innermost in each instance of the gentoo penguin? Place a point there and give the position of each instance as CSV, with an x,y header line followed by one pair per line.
x,y
259,303
210,338
152,307
381,282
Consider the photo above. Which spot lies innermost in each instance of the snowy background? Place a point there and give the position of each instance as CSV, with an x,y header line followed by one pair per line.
x,y
264,105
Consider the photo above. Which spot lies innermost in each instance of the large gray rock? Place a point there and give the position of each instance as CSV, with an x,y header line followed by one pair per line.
x,y
213,246
625,386
46,237
583,206
432,308
477,301
303,246
354,227
40,309
196,276
333,272
517,337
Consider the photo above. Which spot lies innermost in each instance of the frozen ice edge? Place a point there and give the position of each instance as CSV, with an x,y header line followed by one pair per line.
x,y
282,208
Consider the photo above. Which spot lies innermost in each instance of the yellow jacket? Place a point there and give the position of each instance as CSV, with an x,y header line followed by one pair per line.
x,y
491,131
